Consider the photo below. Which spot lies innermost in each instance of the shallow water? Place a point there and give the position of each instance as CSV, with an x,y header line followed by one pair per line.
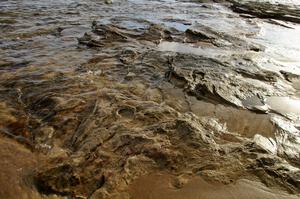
x,y
236,120
162,186
201,50
284,105
112,92
57,24
283,46
291,2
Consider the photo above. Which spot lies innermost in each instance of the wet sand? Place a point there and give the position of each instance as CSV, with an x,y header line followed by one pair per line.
x,y
157,186
16,170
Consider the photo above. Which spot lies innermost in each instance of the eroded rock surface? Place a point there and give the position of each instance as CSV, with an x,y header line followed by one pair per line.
x,y
124,91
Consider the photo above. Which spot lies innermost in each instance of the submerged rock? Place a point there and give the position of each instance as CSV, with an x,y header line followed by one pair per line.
x,y
184,89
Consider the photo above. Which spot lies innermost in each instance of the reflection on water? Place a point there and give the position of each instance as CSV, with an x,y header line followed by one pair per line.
x,y
236,120
191,49
181,48
283,46
241,121
284,105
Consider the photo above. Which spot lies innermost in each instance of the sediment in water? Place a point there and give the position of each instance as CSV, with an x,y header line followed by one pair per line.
x,y
113,103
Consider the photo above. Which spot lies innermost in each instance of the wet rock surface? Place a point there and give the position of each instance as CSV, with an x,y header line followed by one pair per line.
x,y
106,102
267,10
